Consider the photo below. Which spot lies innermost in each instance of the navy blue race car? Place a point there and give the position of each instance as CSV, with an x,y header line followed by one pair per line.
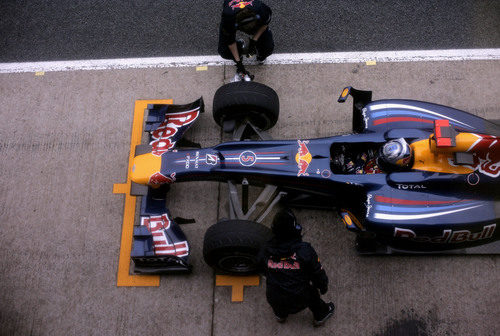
x,y
413,177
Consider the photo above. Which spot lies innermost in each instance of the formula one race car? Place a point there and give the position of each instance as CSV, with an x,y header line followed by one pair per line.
x,y
414,177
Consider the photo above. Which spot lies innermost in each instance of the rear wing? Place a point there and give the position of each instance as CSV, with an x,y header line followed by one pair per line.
x,y
391,114
361,99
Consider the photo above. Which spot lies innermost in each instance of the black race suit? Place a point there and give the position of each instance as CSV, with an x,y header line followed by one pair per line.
x,y
293,277
230,23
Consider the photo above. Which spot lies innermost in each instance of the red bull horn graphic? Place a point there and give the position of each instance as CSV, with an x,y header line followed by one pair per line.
x,y
303,158
487,155
158,179
234,4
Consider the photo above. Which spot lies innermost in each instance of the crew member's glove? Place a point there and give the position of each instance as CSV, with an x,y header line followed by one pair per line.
x,y
323,290
240,68
252,48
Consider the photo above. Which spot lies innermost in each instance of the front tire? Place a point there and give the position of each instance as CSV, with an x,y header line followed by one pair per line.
x,y
246,100
232,246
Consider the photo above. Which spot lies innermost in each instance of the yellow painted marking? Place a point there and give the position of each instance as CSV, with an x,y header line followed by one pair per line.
x,y
124,276
237,283
39,73
371,62
201,68
120,188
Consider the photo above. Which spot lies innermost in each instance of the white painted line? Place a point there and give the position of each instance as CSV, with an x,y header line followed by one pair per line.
x,y
300,58
422,216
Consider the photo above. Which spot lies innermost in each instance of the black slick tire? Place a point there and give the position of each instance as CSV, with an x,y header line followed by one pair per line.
x,y
239,100
232,246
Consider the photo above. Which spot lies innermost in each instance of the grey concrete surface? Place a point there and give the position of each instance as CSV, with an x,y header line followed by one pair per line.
x,y
64,141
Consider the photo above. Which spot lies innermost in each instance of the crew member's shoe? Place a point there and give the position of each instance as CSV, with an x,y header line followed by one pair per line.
x,y
260,60
331,308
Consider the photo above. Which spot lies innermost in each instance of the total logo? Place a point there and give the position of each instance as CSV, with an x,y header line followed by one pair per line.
x,y
411,186
303,158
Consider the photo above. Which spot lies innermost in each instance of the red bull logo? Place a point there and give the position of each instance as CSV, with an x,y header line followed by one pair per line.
x,y
487,155
234,4
303,158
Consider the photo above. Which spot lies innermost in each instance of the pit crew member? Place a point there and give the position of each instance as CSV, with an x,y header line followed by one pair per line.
x,y
251,17
294,275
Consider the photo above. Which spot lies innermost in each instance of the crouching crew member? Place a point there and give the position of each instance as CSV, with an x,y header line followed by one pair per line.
x,y
294,276
251,17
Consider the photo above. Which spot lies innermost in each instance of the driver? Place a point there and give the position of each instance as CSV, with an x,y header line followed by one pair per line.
x,y
395,155
251,17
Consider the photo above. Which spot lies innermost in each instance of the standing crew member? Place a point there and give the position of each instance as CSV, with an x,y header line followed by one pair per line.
x,y
293,272
251,17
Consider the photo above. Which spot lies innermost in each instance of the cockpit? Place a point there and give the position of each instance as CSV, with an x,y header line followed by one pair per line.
x,y
444,151
354,158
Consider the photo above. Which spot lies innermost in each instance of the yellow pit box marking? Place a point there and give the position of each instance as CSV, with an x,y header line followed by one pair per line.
x,y
237,283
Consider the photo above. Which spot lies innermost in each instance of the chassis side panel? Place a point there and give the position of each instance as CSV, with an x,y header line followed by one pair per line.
x,y
387,114
424,221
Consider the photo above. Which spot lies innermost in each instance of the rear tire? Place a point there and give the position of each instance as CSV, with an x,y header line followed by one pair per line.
x,y
239,100
232,246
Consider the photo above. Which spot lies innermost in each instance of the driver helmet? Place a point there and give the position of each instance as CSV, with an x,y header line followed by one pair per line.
x,y
396,153
285,225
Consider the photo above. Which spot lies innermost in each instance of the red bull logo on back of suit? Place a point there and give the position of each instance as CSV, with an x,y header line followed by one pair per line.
x,y
234,4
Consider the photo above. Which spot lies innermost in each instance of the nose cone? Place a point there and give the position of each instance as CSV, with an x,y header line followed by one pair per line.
x,y
144,167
